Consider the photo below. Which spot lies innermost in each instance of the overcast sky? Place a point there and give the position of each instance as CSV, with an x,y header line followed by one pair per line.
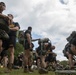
x,y
54,19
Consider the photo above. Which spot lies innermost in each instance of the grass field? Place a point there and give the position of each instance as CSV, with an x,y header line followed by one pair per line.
x,y
20,72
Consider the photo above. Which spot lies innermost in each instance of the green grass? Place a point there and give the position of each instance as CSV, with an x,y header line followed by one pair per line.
x,y
20,72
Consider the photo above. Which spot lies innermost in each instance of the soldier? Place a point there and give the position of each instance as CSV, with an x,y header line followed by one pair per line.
x,y
28,47
13,27
69,52
4,23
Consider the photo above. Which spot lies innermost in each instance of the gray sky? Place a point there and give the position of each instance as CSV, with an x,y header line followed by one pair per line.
x,y
54,19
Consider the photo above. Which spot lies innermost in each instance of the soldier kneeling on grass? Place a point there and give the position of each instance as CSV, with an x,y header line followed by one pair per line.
x,y
69,52
41,51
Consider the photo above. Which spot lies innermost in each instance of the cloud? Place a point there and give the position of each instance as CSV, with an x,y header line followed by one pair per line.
x,y
64,1
49,18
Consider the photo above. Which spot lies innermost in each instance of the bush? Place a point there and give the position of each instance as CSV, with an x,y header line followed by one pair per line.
x,y
19,48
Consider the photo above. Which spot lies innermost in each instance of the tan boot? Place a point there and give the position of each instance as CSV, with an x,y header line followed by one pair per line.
x,y
26,70
10,65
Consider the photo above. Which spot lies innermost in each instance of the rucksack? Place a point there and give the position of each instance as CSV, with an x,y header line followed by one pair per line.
x,y
71,37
